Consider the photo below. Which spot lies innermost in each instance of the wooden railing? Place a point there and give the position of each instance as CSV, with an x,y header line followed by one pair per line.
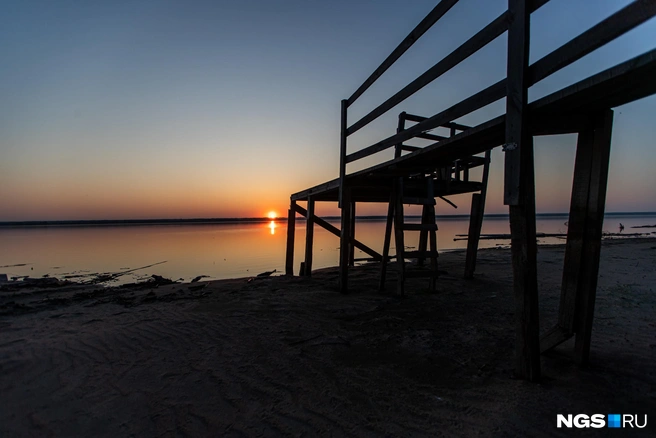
x,y
515,20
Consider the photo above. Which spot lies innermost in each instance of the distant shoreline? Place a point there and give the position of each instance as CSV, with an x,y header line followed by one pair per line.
x,y
253,220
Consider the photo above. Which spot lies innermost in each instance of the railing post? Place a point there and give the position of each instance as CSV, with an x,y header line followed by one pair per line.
x,y
519,194
291,225
342,151
309,236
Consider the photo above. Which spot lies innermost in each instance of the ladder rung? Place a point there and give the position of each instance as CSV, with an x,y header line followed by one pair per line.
x,y
420,227
420,274
419,254
418,201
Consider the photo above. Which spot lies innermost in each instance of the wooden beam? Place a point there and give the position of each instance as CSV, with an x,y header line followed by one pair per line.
x,y
352,235
605,31
525,282
450,125
482,98
344,240
425,24
468,48
335,231
291,222
581,265
388,238
520,195
427,136
474,235
601,142
342,150
476,219
448,201
516,97
309,236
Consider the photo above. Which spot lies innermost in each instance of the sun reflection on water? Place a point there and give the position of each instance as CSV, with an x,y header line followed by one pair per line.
x,y
272,227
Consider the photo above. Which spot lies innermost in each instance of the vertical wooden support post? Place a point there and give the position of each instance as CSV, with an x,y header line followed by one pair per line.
x,y
581,264
344,240
423,234
352,235
474,234
388,238
291,229
589,267
519,194
398,235
476,220
430,218
390,209
309,236
342,151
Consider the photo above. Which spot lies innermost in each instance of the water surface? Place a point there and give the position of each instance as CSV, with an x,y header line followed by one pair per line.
x,y
222,250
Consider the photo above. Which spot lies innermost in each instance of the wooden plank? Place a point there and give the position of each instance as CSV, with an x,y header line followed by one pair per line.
x,y
344,240
388,238
430,215
474,235
484,97
291,224
450,125
335,231
390,208
309,236
423,229
427,136
342,150
398,236
615,86
516,97
576,232
352,235
448,202
519,194
592,247
425,24
551,116
525,281
468,48
605,31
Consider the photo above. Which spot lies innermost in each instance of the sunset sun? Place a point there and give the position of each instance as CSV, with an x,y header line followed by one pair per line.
x,y
272,215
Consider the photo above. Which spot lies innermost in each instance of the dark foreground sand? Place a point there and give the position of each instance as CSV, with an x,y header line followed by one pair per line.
x,y
291,356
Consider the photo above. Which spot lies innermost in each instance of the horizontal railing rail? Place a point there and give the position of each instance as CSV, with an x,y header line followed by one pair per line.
x,y
607,30
595,37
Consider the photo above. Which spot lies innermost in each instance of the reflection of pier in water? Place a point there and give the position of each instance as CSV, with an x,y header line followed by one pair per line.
x,y
419,175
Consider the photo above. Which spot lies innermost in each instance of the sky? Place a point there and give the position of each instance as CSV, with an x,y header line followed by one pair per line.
x,y
216,108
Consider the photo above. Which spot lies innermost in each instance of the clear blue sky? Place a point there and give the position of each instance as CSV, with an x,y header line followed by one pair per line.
x,y
141,109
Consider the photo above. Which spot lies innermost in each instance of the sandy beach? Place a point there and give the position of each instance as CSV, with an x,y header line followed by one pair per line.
x,y
281,356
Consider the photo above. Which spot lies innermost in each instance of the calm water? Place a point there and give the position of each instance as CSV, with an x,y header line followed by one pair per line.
x,y
220,251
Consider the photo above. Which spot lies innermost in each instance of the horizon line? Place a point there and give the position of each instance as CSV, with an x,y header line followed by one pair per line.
x,y
237,220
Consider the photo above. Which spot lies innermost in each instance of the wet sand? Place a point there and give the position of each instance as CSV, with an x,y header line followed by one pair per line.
x,y
291,356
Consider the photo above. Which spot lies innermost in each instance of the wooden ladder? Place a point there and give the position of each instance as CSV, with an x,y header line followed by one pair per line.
x,y
428,234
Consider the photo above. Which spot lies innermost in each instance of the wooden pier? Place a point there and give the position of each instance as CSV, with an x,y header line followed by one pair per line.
x,y
442,168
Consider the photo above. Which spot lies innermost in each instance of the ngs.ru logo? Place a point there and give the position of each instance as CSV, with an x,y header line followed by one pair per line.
x,y
597,421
